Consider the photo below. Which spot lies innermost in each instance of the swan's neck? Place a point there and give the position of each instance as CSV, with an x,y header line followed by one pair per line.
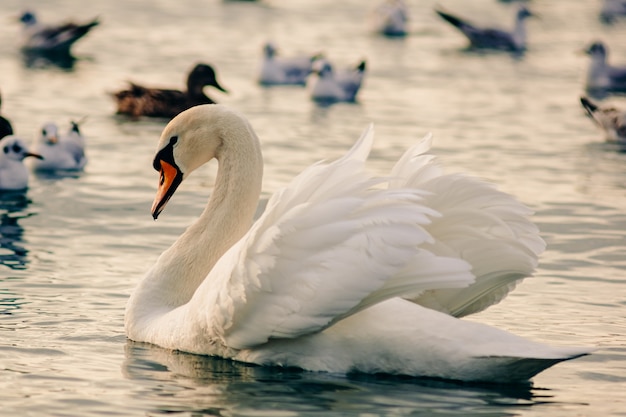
x,y
227,217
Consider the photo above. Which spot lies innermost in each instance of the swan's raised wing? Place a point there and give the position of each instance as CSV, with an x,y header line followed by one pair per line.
x,y
486,227
327,246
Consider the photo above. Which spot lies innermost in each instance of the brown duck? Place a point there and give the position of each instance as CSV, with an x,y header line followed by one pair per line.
x,y
157,102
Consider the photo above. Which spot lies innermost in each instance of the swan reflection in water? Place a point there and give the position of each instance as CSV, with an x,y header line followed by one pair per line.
x,y
12,209
171,381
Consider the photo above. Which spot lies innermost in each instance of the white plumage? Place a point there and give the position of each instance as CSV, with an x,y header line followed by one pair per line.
x,y
60,152
330,277
390,18
329,85
603,77
13,172
281,70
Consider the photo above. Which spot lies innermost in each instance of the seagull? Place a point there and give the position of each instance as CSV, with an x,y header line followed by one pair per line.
x,y
612,10
60,153
609,118
5,126
54,39
390,18
278,70
328,85
491,38
601,76
166,103
13,172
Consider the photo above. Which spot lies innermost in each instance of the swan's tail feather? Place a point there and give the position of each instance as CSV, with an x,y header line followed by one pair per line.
x,y
517,369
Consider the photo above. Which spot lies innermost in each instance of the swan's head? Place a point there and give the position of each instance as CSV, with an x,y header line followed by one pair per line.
x,y
189,140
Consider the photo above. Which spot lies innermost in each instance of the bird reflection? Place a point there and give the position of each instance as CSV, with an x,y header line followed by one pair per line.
x,y
12,208
172,381
38,59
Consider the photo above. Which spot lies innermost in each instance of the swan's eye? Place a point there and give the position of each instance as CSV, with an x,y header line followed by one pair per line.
x,y
173,140
43,132
17,148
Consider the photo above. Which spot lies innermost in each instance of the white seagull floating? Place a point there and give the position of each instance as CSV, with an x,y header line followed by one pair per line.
x,y
57,39
343,272
612,10
609,118
492,38
390,18
601,76
60,152
279,70
13,172
328,85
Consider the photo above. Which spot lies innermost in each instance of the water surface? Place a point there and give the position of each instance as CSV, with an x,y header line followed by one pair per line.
x,y
72,250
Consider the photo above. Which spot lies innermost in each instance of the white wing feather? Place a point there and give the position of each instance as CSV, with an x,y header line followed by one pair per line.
x,y
327,246
486,227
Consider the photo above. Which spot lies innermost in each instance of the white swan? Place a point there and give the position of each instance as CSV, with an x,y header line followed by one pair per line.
x,y
332,275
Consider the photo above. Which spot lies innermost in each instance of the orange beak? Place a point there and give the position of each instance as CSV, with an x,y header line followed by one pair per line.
x,y
170,178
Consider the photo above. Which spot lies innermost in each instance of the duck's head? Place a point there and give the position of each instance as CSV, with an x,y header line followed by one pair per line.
x,y
203,74
50,134
14,148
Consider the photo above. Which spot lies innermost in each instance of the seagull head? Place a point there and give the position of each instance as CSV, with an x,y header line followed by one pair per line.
x,y
596,49
14,148
28,18
50,134
524,12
